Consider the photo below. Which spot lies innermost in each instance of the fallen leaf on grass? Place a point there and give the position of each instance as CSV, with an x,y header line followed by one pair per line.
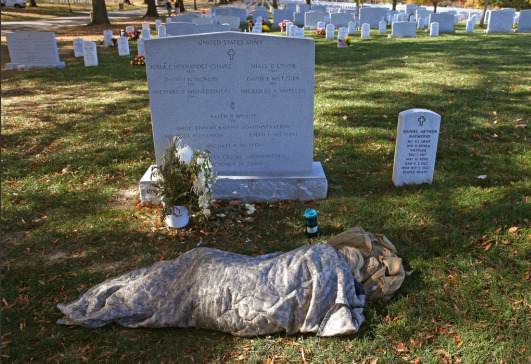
x,y
483,176
514,229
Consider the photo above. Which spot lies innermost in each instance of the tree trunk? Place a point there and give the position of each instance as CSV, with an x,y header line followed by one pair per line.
x,y
275,4
482,21
309,2
394,4
99,10
434,6
33,4
181,6
195,4
151,9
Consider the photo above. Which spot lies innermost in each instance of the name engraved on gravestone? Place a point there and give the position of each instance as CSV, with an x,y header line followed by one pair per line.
x,y
221,91
416,146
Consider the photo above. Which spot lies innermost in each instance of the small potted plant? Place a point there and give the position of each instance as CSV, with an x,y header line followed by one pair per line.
x,y
184,183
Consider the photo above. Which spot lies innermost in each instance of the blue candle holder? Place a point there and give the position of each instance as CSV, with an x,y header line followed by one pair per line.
x,y
311,222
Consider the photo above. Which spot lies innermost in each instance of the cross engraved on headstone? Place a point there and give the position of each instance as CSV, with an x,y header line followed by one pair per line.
x,y
232,105
421,120
231,54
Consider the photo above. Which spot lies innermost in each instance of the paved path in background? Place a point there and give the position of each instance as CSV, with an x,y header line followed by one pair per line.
x,y
54,23
51,24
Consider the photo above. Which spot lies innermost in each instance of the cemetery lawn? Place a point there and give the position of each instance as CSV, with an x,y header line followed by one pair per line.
x,y
76,141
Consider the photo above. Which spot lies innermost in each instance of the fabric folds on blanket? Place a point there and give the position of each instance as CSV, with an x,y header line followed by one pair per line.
x,y
307,290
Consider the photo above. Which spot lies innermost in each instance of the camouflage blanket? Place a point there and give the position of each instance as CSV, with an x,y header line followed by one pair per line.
x,y
307,290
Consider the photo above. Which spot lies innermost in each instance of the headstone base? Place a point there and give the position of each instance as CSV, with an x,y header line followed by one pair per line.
x,y
29,66
249,189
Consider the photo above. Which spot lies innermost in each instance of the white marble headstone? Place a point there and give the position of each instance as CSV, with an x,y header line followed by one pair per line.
x,y
146,34
351,27
524,22
129,29
420,23
382,28
107,38
162,31
320,25
226,83
31,49
158,23
145,25
140,47
416,146
298,32
330,31
342,33
168,20
90,54
123,46
78,47
470,24
434,29
365,31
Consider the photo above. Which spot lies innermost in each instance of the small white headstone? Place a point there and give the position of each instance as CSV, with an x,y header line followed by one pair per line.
x,y
78,47
162,31
90,54
257,28
351,27
107,38
434,29
382,27
342,33
158,23
145,25
291,31
140,47
320,25
420,23
129,29
123,46
298,33
416,146
146,34
330,29
168,20
365,31
470,24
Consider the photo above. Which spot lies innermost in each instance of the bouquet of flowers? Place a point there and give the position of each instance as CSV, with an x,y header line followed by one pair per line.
x,y
320,32
186,179
134,35
139,61
283,24
348,40
265,28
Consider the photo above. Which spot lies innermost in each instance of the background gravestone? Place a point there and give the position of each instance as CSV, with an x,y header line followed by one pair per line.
x,y
500,21
29,50
226,85
123,46
78,47
417,136
524,23
90,54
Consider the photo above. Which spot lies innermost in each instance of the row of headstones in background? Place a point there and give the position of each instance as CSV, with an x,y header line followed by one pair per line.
x,y
294,31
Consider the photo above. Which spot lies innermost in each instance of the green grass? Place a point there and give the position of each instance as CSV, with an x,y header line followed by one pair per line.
x,y
76,141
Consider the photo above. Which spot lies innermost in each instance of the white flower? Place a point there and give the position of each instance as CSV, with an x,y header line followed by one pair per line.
x,y
207,212
200,160
250,209
185,154
203,202
199,183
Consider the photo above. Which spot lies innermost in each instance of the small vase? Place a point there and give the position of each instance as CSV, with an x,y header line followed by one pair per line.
x,y
179,218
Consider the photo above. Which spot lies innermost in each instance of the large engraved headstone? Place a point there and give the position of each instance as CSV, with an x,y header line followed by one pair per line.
x,y
219,95
416,146
29,50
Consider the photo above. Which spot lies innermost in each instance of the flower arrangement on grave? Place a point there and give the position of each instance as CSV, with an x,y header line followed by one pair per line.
x,y
134,35
348,40
320,32
185,179
139,61
284,24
